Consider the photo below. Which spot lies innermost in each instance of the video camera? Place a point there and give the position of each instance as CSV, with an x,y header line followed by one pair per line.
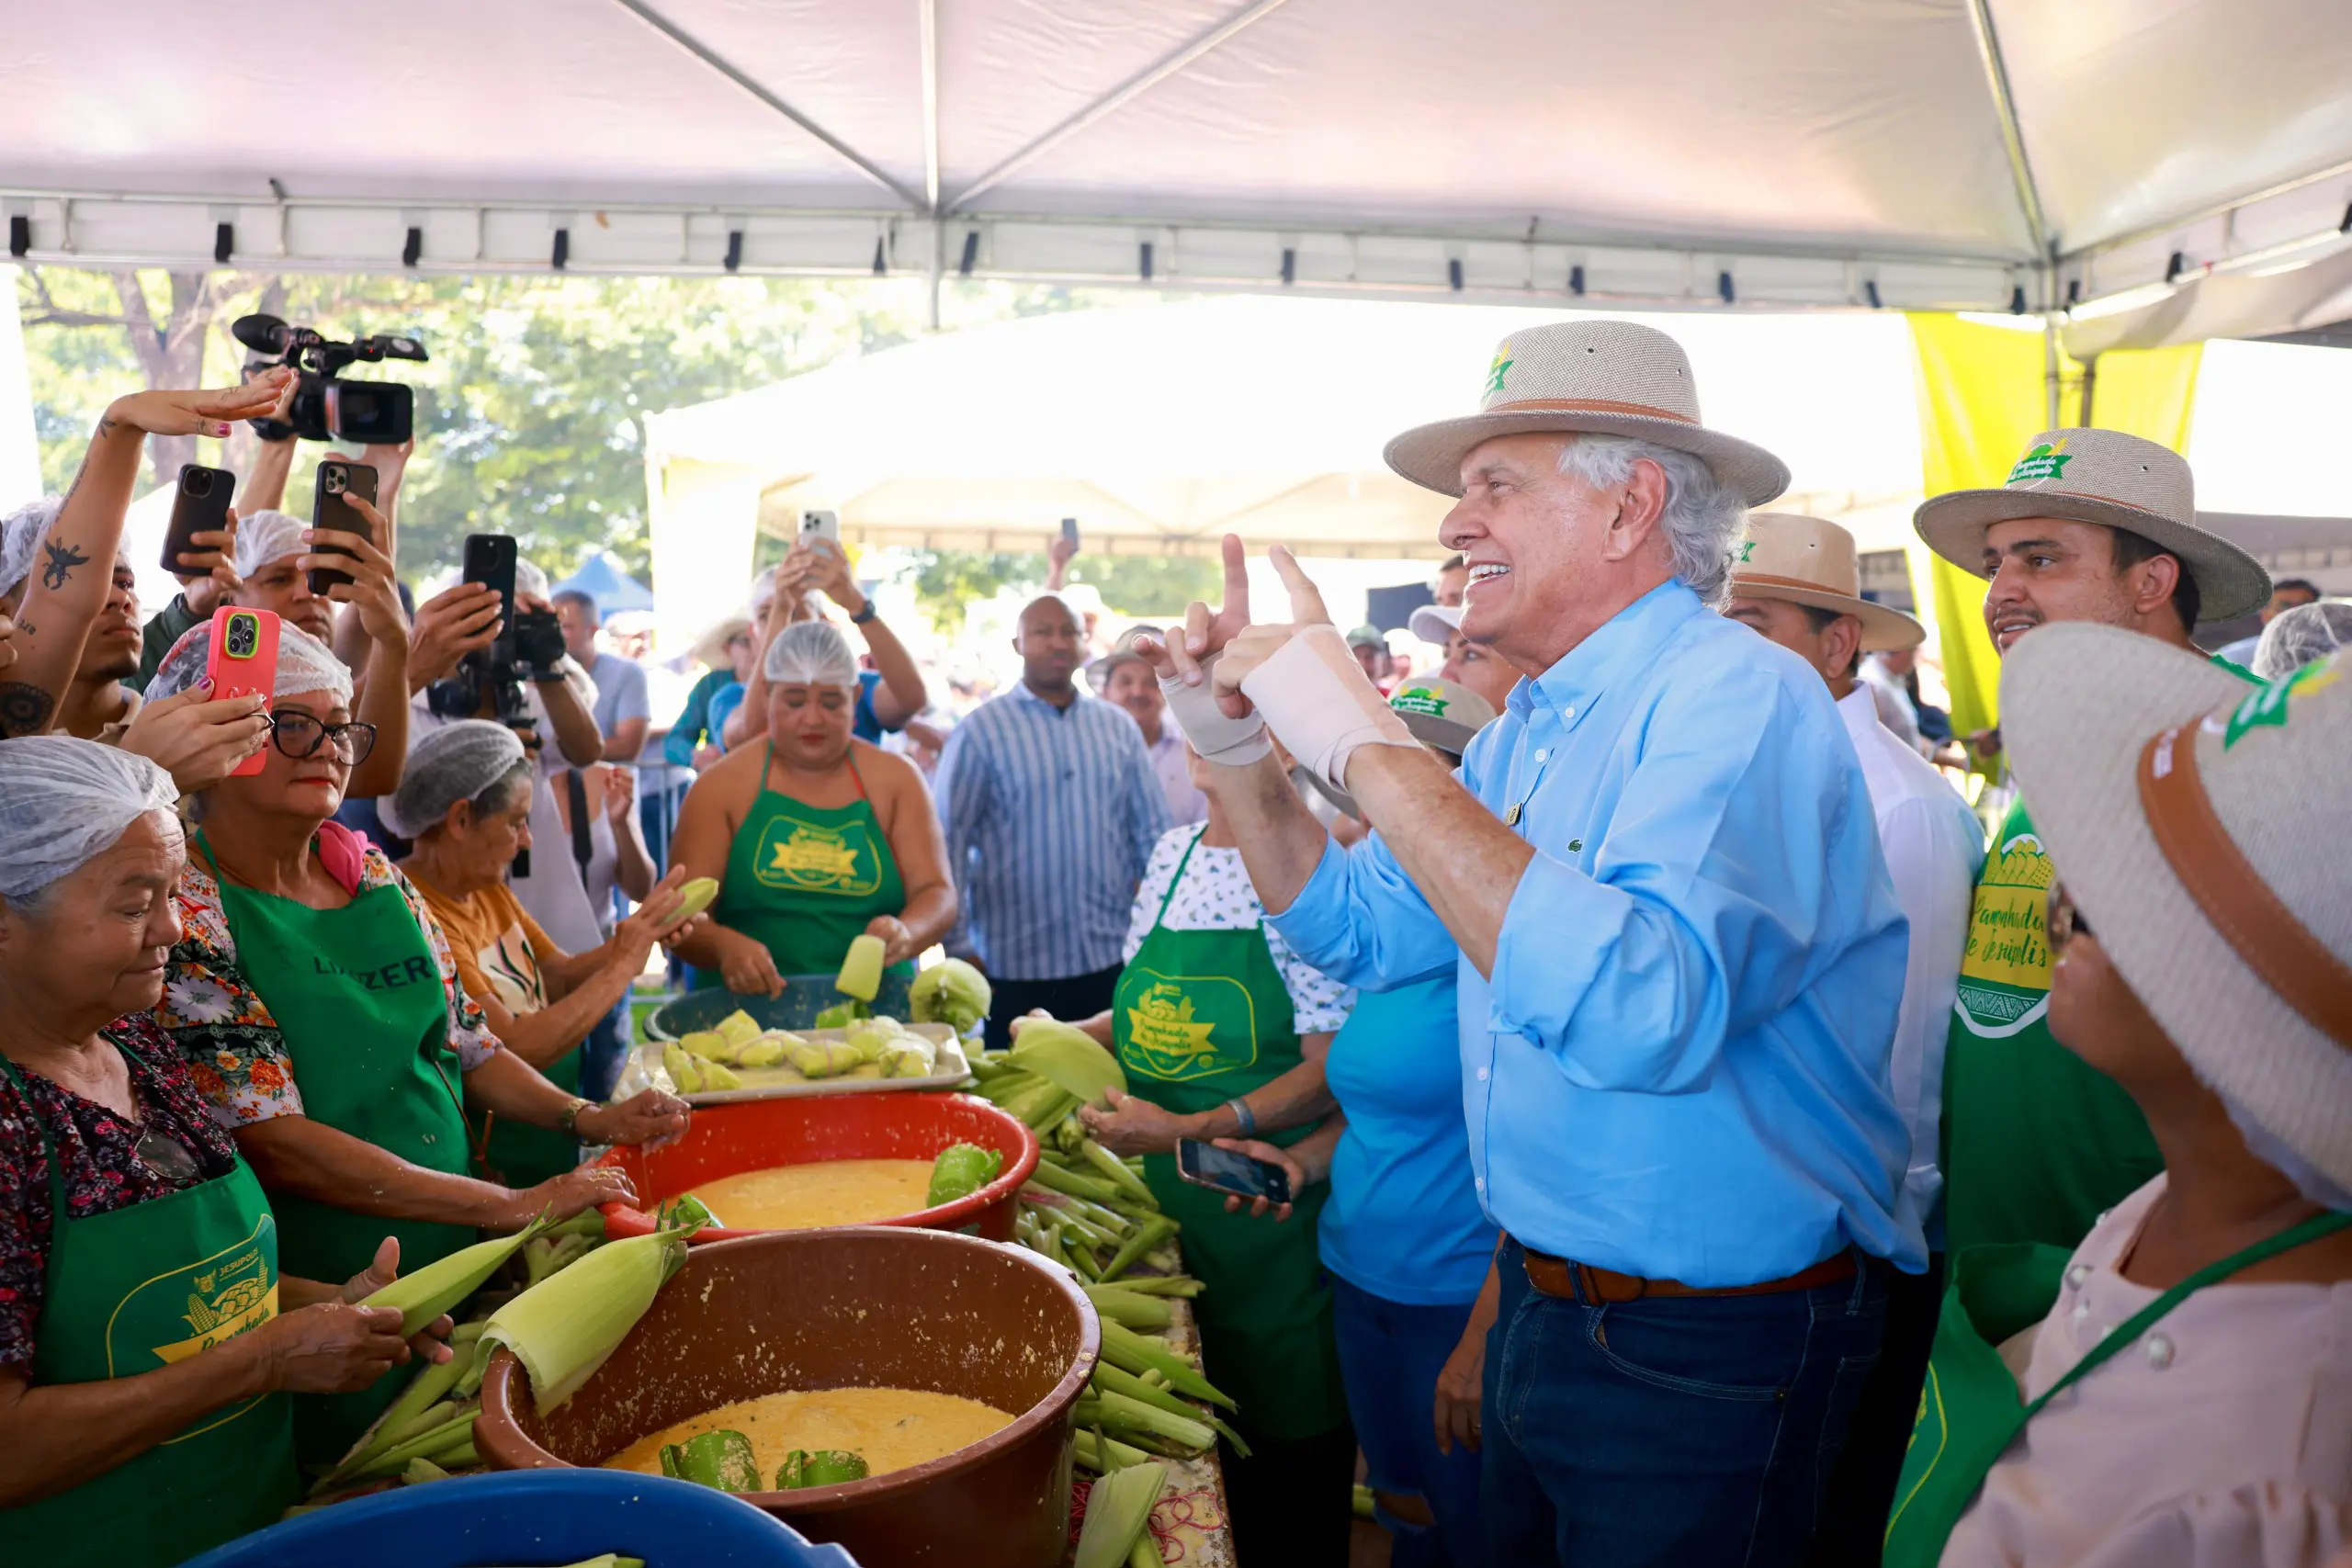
x,y
492,677
325,406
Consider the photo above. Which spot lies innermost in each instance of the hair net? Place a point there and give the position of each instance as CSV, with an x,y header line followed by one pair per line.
x,y
64,802
812,653
763,591
2301,635
304,664
530,580
449,765
20,535
267,537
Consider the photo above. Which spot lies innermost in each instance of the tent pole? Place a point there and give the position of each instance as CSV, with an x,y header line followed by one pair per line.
x,y
2049,372
1996,80
928,14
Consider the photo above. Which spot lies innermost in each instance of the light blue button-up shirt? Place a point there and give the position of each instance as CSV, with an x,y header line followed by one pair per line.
x,y
1679,1068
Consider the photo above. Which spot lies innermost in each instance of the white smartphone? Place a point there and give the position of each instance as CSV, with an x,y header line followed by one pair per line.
x,y
821,525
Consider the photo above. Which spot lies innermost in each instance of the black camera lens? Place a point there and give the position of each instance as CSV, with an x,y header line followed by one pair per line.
x,y
333,481
244,634
354,406
197,481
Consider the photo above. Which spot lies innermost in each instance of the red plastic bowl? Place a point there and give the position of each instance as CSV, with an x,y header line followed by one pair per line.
x,y
755,1134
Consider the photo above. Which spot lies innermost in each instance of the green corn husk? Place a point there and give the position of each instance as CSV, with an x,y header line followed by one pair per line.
x,y
809,1058
426,1391
1161,1285
1112,1378
1073,1224
1005,1083
985,1065
1068,1135
1130,1309
841,1015
721,1459
961,1170
861,972
1054,1179
952,993
738,1029
708,1044
420,1471
441,1285
760,1052
1118,1514
430,1444
563,1328
1080,1259
719,1076
684,1068
819,1467
587,1222
1114,1170
1130,1351
1149,1235
1068,1058
1099,1453
1101,1217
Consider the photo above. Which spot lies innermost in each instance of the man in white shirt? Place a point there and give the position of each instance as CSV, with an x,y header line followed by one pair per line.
x,y
1796,582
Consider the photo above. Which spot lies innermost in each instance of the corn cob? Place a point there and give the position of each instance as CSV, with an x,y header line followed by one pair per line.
x,y
1130,1351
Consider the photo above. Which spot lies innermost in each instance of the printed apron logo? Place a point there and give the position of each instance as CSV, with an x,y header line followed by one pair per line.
x,y
191,1309
2005,969
814,858
1170,1040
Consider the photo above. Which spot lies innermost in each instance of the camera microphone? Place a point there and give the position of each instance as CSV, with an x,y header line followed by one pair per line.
x,y
264,334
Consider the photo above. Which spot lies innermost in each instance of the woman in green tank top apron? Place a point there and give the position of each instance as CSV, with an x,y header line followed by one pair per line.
x,y
2183,1397
1207,1027
815,837
147,1336
321,1008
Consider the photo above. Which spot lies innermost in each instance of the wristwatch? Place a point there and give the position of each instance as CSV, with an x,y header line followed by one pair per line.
x,y
567,1120
864,615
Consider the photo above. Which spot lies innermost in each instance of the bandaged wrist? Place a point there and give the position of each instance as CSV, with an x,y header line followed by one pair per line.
x,y
1227,743
1319,704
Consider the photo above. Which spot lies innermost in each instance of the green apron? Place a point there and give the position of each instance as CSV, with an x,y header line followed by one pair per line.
x,y
2037,1143
517,1154
126,1292
357,994
803,880
1198,1018
1970,1410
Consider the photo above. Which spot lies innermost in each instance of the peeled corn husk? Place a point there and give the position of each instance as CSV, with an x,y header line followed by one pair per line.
x,y
441,1284
1067,1057
861,974
684,1069
737,1028
708,1044
1118,1511
719,1076
760,1052
912,1057
564,1328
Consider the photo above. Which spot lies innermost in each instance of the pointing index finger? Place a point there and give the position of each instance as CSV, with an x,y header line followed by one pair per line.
x,y
1306,600
1236,581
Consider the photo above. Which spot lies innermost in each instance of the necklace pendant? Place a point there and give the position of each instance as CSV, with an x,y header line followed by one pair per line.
x,y
1511,818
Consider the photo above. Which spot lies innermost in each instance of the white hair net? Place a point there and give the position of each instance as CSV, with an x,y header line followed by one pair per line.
x,y
304,664
20,534
812,653
763,591
530,581
64,802
267,537
2301,635
449,765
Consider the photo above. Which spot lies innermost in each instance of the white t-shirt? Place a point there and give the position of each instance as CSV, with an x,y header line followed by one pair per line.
x,y
1215,896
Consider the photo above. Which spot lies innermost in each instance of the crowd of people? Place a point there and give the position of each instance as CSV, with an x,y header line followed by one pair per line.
x,y
1704,1144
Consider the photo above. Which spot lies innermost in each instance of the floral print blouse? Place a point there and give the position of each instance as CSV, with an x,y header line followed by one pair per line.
x,y
234,1050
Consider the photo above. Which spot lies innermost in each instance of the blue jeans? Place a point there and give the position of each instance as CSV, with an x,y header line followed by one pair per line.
x,y
1390,1354
1699,1432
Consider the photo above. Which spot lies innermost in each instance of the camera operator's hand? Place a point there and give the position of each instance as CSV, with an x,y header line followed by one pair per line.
x,y
829,570
202,413
373,591
208,574
391,463
196,739
453,622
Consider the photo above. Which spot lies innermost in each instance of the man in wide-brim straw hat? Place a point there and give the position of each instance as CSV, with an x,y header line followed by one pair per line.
x,y
2188,1387
1680,956
2091,526
1798,583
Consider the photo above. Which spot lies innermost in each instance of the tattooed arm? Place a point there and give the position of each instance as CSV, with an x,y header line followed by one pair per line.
x,y
73,570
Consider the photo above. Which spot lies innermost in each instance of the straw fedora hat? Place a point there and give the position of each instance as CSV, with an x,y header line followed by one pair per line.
x,y
2203,830
1810,562
2117,482
1593,378
710,648
1441,715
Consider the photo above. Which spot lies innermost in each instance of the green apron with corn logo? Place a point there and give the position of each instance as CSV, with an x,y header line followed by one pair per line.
x,y
1970,1409
1200,1017
802,880
133,1291
357,993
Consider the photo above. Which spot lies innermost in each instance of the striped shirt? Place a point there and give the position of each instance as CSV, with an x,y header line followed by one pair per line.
x,y
1051,816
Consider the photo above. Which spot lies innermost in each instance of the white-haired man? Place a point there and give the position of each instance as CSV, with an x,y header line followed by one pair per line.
x,y
1679,955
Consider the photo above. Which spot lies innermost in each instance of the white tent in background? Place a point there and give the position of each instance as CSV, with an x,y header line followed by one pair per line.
x,y
1161,428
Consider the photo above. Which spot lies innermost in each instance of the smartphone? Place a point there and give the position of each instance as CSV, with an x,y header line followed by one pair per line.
x,y
330,509
200,505
490,560
821,525
242,662
1221,1170
1069,532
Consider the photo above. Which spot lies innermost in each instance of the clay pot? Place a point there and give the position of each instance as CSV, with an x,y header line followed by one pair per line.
x,y
855,1305
757,1134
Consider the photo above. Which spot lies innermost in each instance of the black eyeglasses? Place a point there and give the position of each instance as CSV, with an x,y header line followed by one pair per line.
x,y
2062,921
298,735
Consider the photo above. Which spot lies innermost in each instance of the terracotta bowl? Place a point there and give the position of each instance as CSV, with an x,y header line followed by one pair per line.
x,y
858,1306
754,1134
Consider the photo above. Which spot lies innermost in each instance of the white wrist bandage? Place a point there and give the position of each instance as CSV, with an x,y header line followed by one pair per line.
x,y
1227,743
1318,701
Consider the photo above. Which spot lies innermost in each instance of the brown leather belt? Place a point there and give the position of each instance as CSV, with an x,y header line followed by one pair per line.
x,y
1585,1282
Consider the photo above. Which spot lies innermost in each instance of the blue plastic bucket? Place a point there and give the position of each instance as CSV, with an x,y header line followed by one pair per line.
x,y
532,1517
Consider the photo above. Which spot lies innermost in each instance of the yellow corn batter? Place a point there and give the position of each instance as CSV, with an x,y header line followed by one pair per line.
x,y
893,1428
824,1193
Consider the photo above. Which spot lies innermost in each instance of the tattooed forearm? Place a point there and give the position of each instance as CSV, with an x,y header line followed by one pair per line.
x,y
24,710
63,558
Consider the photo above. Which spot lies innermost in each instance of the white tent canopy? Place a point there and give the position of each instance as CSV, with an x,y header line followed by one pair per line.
x,y
1925,153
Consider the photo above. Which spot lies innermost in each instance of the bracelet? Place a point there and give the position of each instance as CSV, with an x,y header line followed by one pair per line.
x,y
567,1120
1244,1115
865,616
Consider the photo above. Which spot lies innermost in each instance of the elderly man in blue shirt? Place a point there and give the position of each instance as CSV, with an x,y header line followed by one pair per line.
x,y
1679,955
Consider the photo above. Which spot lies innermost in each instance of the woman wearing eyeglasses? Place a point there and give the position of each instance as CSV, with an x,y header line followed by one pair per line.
x,y
322,1015
148,1334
